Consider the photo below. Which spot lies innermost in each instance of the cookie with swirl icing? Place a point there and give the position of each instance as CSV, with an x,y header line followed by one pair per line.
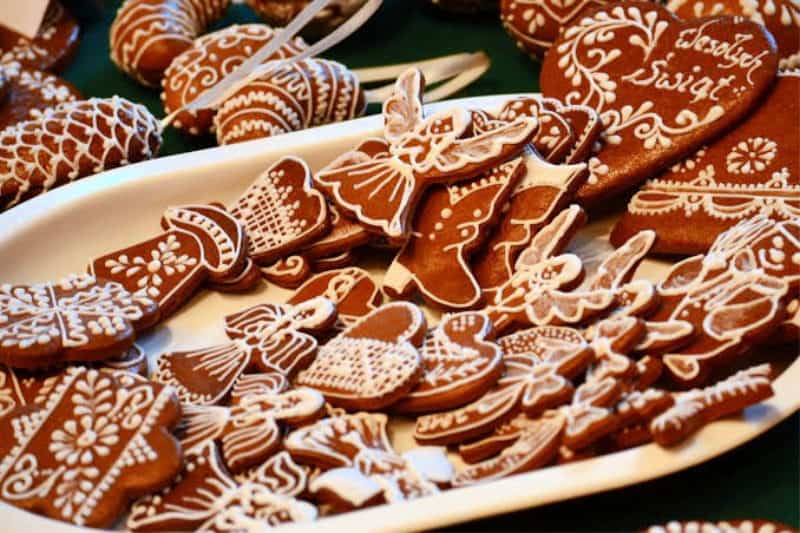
x,y
754,169
209,59
662,86
281,13
147,35
299,95
780,17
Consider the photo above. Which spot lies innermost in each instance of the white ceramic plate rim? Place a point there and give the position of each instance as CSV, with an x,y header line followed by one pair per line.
x,y
536,488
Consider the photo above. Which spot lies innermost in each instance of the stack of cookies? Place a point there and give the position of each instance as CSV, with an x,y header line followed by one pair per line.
x,y
543,354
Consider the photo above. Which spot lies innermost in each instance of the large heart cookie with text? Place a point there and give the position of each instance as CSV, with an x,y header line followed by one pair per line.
x,y
662,86
752,170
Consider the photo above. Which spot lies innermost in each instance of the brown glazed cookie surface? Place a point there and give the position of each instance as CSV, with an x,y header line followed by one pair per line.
x,y
780,17
79,318
209,59
74,140
147,35
305,93
752,170
373,362
536,24
27,92
53,47
94,426
677,85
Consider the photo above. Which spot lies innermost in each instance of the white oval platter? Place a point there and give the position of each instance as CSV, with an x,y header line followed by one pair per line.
x,y
56,233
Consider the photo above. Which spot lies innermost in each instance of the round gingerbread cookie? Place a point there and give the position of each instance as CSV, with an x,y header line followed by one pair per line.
x,y
147,35
28,92
53,47
209,59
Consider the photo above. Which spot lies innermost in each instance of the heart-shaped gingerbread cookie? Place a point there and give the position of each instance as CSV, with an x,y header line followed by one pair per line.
x,y
662,86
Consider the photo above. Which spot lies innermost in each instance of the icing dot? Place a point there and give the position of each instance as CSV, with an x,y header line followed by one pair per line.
x,y
447,212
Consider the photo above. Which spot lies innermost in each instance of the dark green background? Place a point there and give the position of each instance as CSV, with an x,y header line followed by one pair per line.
x,y
759,480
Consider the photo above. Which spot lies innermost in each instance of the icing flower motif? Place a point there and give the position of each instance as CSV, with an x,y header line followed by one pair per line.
x,y
752,155
164,261
80,440
74,488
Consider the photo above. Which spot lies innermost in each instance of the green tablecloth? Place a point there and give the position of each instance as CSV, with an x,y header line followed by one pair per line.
x,y
758,480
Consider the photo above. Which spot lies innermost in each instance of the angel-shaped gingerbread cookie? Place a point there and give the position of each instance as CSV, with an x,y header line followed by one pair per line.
x,y
381,193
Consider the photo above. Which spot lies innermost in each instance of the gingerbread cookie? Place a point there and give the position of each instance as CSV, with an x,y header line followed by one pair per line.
x,y
28,92
781,18
71,141
753,169
361,466
536,24
289,273
535,446
209,59
147,35
585,123
281,13
680,84
247,280
294,96
553,139
133,360
726,526
374,362
334,262
344,235
53,47
281,211
350,289
449,224
280,474
538,363
267,337
382,192
205,492
734,296
202,242
248,432
79,318
541,194
461,363
94,425
696,408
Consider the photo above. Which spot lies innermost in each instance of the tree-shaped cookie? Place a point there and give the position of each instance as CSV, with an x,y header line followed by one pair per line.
x,y
80,318
98,440
449,224
382,193
360,465
267,338
374,362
